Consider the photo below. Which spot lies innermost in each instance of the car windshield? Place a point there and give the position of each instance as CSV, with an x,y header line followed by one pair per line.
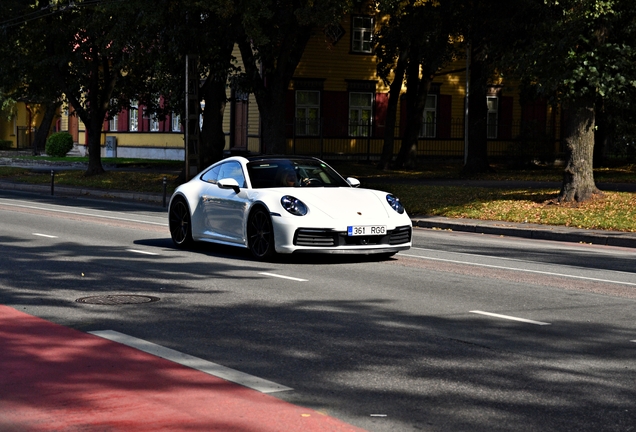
x,y
269,173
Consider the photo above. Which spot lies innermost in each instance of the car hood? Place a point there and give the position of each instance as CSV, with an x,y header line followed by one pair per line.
x,y
344,203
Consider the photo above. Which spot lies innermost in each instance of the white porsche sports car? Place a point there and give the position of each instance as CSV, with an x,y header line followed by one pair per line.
x,y
279,204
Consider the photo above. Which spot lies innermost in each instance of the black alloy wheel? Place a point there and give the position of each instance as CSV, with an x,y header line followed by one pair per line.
x,y
180,223
260,235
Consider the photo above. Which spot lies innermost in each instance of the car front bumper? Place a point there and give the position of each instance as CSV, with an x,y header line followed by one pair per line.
x,y
293,239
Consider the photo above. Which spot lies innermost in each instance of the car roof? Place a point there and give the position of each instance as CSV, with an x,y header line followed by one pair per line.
x,y
274,157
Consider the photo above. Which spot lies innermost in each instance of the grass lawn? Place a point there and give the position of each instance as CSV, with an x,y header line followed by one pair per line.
x,y
612,211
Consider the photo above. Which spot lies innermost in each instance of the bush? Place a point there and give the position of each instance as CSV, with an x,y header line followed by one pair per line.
x,y
5,145
58,144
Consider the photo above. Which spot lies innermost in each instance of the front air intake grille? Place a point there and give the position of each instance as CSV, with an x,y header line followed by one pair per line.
x,y
315,238
400,235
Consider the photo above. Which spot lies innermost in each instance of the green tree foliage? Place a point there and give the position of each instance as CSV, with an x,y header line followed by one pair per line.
x,y
272,38
576,51
84,51
202,30
20,78
406,49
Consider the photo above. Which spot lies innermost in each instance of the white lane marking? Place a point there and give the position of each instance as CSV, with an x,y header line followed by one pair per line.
x,y
509,317
284,277
44,235
520,270
83,214
232,375
633,341
521,260
141,252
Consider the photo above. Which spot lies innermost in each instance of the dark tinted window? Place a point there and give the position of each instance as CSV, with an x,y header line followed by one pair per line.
x,y
268,173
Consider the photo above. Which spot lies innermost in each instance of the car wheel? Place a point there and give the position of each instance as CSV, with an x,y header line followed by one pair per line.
x,y
260,235
180,223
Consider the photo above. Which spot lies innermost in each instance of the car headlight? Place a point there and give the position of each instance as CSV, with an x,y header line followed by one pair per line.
x,y
395,203
294,205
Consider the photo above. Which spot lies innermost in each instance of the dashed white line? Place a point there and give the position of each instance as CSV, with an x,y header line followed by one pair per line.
x,y
232,375
141,252
510,318
283,277
44,235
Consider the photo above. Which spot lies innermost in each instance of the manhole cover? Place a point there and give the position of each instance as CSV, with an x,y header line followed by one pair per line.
x,y
118,299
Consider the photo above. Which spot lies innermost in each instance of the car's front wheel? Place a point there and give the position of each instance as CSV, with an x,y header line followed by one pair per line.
x,y
180,223
260,235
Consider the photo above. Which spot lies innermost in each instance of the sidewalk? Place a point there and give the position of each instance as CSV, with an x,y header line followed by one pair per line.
x,y
55,378
510,229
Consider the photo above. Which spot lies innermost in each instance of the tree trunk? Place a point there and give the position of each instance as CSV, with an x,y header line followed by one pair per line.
x,y
416,92
578,179
391,113
269,76
42,133
212,135
477,160
94,146
273,121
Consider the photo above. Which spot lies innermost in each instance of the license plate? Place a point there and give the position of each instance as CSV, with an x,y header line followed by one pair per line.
x,y
360,230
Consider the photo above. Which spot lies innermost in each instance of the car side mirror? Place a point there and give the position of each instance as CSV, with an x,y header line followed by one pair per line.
x,y
229,183
353,182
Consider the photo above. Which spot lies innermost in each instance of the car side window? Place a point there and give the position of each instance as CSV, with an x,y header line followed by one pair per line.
x,y
211,176
234,171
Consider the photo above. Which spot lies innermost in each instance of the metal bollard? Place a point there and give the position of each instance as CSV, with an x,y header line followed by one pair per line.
x,y
52,182
165,183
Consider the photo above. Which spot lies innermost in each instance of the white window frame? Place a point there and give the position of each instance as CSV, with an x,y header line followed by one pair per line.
x,y
307,114
358,127
176,123
492,124
153,125
153,121
429,118
133,117
362,27
64,119
113,124
201,113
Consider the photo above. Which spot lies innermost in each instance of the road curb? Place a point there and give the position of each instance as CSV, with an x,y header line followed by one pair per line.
x,y
89,193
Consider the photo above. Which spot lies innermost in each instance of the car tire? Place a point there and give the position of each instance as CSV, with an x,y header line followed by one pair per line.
x,y
260,235
180,223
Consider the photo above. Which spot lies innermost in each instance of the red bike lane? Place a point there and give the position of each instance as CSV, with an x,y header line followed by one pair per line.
x,y
54,378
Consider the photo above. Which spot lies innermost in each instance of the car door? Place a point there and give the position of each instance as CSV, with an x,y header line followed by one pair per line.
x,y
224,209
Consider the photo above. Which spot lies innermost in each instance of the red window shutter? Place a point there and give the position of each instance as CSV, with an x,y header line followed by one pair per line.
x,y
123,120
335,113
379,116
505,117
141,119
444,116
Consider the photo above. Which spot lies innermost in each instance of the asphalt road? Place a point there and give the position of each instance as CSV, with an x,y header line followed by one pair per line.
x,y
462,332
